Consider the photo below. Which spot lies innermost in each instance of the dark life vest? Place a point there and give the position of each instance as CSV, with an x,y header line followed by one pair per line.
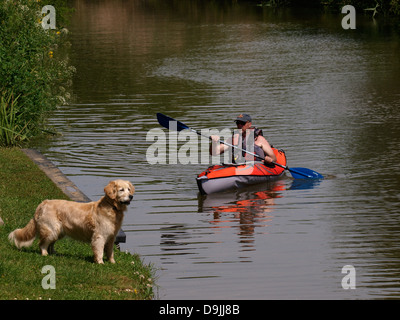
x,y
245,156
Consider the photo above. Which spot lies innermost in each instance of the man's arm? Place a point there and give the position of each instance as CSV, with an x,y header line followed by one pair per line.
x,y
270,155
217,148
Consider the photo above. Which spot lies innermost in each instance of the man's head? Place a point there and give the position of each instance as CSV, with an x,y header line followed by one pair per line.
x,y
243,121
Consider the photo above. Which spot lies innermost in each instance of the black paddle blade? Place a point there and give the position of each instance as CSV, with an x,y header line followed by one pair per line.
x,y
171,124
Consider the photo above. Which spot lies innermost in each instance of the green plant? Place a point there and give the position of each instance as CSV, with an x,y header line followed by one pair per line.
x,y
34,62
395,7
12,129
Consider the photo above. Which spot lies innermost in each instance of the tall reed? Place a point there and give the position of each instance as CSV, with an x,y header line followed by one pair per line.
x,y
12,129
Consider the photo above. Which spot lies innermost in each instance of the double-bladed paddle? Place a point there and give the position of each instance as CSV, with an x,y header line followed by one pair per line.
x,y
297,173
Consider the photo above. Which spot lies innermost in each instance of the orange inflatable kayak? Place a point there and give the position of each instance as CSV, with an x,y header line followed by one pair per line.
x,y
223,177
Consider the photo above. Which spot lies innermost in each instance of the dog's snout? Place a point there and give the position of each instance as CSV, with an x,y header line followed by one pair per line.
x,y
130,197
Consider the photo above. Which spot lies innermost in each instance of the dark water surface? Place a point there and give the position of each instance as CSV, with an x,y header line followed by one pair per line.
x,y
329,97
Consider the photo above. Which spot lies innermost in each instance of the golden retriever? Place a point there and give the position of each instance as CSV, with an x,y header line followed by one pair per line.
x,y
96,222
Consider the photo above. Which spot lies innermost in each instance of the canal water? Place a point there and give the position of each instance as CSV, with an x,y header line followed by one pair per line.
x,y
329,97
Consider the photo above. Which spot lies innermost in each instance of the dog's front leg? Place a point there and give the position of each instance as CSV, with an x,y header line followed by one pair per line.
x,y
109,248
98,248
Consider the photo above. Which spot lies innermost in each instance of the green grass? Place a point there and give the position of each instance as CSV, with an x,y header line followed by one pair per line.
x,y
22,187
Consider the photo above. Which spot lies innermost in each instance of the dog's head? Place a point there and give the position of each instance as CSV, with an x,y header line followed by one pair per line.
x,y
120,191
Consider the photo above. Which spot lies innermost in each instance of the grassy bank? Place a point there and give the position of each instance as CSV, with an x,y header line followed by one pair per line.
x,y
22,187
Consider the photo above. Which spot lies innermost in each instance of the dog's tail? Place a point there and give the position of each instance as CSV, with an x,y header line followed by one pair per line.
x,y
24,237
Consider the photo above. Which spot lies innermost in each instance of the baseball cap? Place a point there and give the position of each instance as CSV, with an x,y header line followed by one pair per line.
x,y
243,117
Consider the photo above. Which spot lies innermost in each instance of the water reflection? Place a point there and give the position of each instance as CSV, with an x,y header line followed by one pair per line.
x,y
305,184
243,210
247,212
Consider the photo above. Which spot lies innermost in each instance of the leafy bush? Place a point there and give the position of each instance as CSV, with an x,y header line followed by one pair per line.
x,y
33,64
395,7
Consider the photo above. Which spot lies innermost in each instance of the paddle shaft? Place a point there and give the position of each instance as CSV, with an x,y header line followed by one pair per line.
x,y
165,122
250,153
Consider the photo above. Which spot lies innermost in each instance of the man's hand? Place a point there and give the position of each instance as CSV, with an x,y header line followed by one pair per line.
x,y
268,159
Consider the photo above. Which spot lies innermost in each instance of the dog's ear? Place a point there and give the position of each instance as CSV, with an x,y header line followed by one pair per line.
x,y
110,190
131,186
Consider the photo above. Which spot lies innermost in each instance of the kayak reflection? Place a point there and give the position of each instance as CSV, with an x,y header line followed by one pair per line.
x,y
244,210
248,209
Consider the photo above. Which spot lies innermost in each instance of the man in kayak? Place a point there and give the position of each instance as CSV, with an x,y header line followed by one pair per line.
x,y
260,144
